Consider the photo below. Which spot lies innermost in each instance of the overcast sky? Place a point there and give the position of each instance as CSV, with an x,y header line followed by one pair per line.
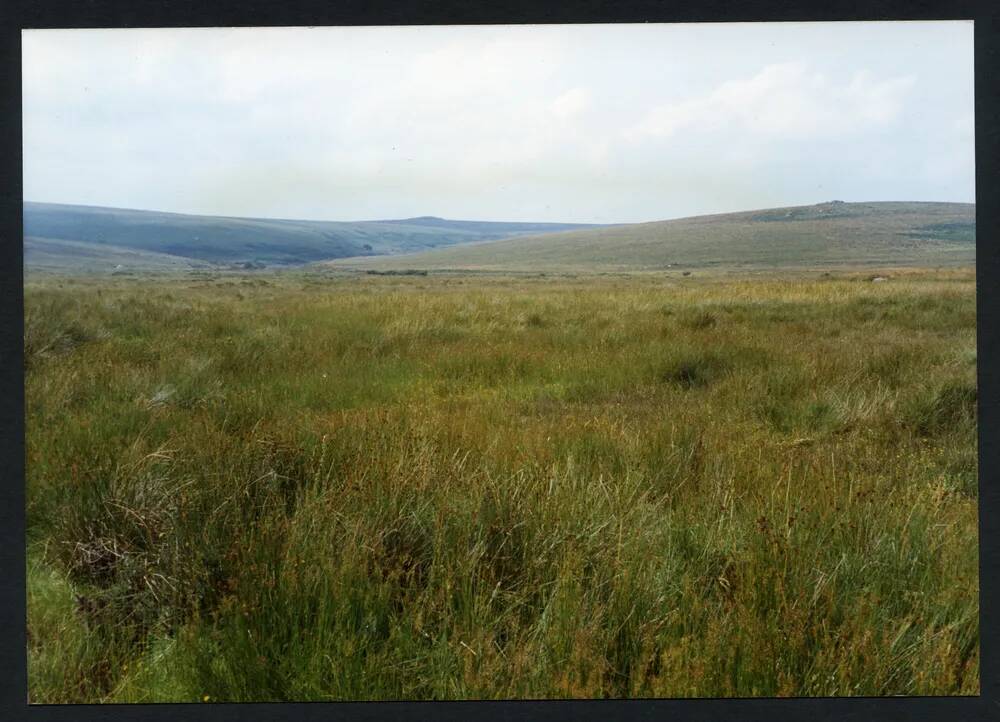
x,y
599,123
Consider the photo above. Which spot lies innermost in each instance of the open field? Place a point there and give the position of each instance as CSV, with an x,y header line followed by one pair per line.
x,y
827,234
298,487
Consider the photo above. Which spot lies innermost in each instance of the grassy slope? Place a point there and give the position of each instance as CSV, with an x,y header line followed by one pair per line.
x,y
833,233
227,240
47,254
383,488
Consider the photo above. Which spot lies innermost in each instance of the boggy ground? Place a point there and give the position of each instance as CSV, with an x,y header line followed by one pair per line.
x,y
291,487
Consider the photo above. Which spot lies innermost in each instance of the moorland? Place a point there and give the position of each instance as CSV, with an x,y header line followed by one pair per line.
x,y
320,484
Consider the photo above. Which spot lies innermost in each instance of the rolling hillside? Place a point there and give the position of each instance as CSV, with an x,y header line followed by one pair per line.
x,y
834,233
98,237
57,255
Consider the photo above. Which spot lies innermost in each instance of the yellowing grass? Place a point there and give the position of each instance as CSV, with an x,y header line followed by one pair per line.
x,y
306,488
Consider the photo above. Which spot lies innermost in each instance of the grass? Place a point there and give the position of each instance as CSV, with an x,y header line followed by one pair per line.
x,y
292,487
834,234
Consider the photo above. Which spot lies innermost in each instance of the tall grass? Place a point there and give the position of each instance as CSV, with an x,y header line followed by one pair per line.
x,y
449,487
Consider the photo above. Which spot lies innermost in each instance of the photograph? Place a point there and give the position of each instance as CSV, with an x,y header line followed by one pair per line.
x,y
500,362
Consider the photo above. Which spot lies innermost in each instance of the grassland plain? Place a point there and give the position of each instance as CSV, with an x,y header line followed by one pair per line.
x,y
298,487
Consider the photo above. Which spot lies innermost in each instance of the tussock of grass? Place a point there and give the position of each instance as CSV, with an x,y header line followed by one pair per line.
x,y
951,404
398,487
702,319
697,369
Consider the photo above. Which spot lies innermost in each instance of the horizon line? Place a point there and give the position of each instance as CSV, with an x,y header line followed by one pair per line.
x,y
25,201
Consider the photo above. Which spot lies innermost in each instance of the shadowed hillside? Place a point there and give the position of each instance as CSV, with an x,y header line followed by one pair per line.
x,y
98,236
832,233
47,254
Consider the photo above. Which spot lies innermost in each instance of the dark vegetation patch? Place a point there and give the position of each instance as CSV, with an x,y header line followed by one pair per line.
x,y
534,320
963,231
55,328
699,320
695,369
943,409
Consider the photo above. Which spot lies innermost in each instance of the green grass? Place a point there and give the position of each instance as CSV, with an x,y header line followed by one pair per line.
x,y
834,234
406,487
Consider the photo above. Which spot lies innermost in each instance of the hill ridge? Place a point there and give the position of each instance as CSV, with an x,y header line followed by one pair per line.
x,y
237,240
827,233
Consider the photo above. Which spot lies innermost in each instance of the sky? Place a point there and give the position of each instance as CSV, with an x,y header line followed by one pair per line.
x,y
566,123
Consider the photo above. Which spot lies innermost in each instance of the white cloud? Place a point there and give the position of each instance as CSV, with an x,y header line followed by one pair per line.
x,y
787,100
571,103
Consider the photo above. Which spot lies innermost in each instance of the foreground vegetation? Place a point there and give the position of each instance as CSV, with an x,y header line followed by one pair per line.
x,y
303,488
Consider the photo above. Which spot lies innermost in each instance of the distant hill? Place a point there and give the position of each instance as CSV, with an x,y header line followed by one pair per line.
x,y
58,255
98,237
833,233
